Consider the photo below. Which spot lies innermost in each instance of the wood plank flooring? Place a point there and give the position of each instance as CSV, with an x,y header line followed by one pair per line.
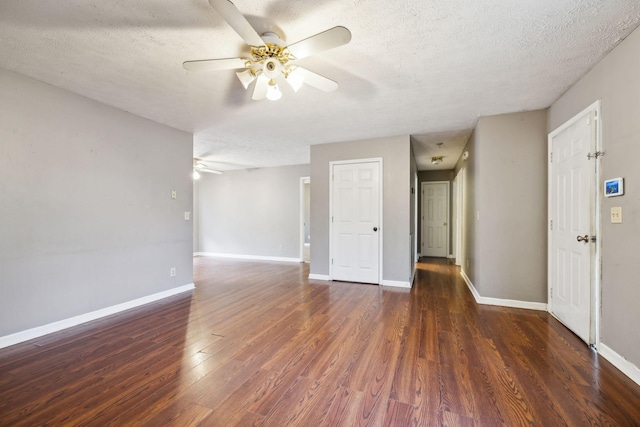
x,y
258,344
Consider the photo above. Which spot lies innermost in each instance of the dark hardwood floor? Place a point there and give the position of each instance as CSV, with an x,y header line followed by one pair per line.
x,y
259,344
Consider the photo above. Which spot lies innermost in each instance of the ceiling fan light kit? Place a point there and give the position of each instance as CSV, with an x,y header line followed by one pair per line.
x,y
271,59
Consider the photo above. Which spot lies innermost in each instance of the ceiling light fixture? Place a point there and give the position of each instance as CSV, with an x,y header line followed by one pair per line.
x,y
195,175
271,60
436,160
273,93
295,80
247,77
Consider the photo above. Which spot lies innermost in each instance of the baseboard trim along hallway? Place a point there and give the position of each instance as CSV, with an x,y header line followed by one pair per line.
x,y
499,301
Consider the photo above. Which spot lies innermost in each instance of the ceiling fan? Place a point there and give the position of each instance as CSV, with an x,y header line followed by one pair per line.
x,y
200,165
271,61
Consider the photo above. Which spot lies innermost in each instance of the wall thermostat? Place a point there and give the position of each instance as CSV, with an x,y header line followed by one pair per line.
x,y
614,187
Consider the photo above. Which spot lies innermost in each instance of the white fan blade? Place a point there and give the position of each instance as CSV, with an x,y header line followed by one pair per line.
x,y
237,21
260,91
210,171
215,64
336,36
316,80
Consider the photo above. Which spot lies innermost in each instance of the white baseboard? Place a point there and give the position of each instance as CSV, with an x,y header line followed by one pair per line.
x,y
390,283
499,301
396,284
39,331
248,257
626,367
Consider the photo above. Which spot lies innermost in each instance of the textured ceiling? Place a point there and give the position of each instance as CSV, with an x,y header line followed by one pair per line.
x,y
423,68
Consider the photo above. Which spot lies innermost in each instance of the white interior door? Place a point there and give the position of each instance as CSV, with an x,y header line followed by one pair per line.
x,y
572,196
435,219
356,233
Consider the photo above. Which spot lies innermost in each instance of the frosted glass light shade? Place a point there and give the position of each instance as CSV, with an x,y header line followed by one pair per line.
x,y
246,77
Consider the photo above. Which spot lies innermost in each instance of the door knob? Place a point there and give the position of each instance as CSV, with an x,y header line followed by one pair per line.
x,y
584,238
375,228
444,223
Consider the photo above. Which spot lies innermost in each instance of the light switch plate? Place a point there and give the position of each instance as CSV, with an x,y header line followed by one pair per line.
x,y
174,194
187,216
616,215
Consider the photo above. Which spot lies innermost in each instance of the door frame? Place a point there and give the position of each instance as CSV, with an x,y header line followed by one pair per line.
x,y
453,229
416,220
303,180
380,210
457,205
448,213
595,208
460,216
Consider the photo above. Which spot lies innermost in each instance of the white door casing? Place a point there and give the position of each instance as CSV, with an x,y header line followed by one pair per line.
x,y
459,203
573,224
435,219
454,215
356,221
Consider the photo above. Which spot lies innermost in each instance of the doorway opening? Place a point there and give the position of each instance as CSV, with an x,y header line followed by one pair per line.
x,y
305,219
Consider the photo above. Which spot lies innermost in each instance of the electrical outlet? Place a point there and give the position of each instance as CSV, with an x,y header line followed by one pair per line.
x,y
172,272
616,215
187,216
174,194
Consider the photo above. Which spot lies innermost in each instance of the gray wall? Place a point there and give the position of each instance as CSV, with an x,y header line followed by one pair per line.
x,y
616,81
506,185
252,212
86,218
395,152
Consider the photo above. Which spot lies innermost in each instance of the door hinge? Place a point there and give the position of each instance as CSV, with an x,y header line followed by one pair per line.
x,y
331,261
551,157
551,225
551,293
595,155
331,219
